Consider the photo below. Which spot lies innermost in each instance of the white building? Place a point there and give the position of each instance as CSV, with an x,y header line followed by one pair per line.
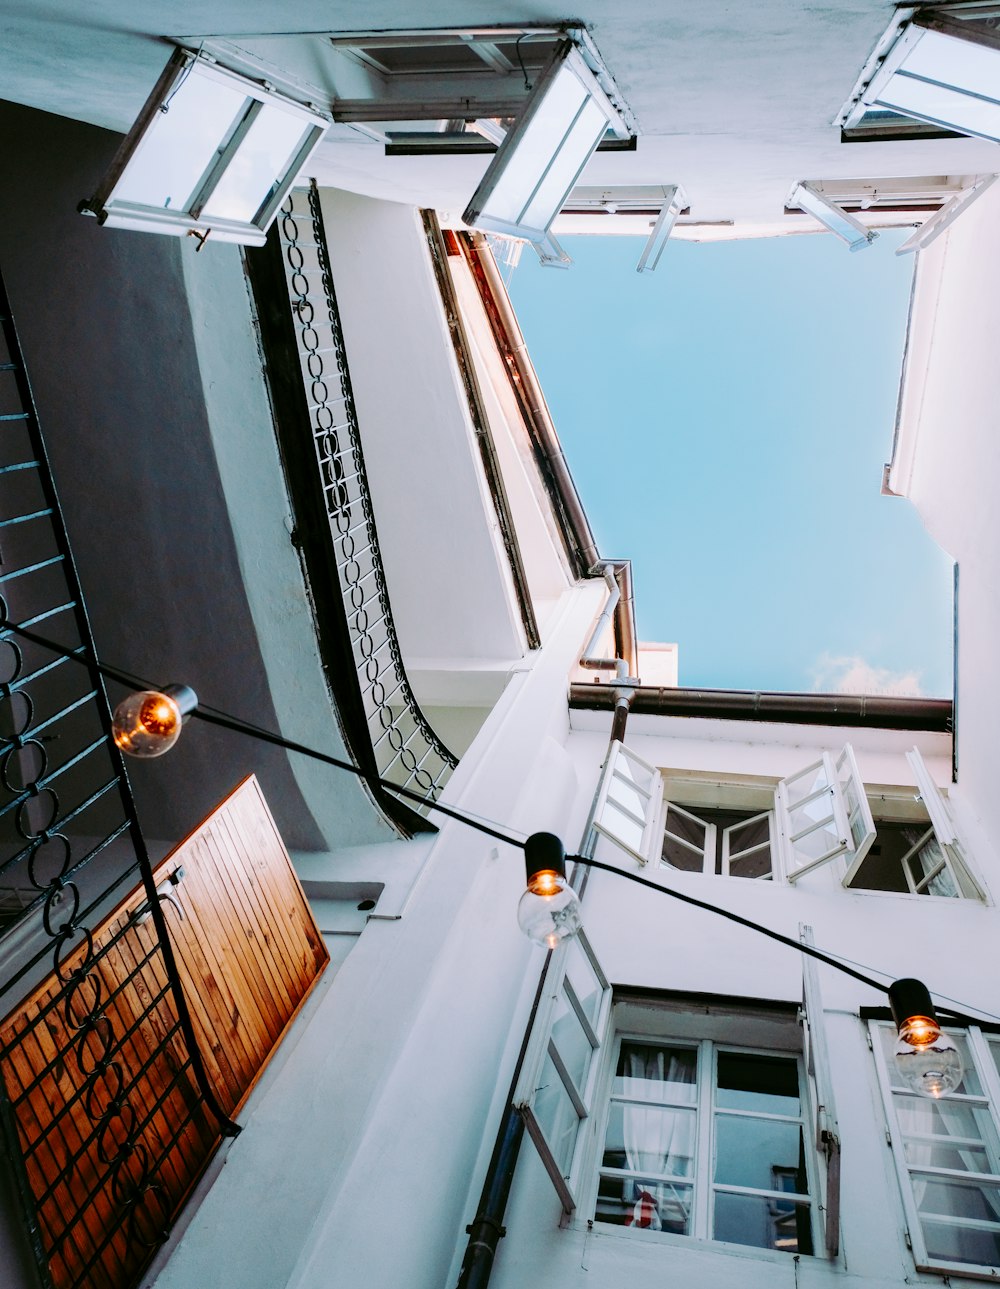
x,y
317,480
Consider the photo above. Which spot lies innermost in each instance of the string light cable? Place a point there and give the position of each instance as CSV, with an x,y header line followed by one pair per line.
x,y
224,720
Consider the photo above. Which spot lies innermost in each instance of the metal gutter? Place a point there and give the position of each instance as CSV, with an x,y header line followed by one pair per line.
x,y
578,539
855,710
481,425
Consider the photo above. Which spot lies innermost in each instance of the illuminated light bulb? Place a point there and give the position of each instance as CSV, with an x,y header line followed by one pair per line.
x,y
549,909
149,722
927,1059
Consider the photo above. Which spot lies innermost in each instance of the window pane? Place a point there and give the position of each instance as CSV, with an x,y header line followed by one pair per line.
x,y
172,160
621,826
262,159
947,1207
653,1073
767,1084
650,1139
806,783
645,1204
684,841
580,973
556,1116
763,1223
925,860
571,1042
528,162
586,134
623,791
759,1152
953,61
941,104
970,1084
927,1125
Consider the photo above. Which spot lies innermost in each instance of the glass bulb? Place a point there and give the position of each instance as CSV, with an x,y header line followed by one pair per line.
x,y
549,910
927,1059
147,723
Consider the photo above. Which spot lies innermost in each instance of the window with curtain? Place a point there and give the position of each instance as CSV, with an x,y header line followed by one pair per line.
x,y
707,1140
947,1156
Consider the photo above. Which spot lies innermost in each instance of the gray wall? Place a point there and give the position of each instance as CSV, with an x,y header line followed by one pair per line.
x,y
106,327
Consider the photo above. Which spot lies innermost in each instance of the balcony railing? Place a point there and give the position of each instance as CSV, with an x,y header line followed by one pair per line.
x,y
336,529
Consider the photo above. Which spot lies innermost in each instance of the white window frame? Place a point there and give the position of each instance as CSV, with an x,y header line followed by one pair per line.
x,y
666,1023
978,1045
835,773
904,32
817,1063
557,987
566,61
943,218
938,811
616,769
711,843
805,196
117,212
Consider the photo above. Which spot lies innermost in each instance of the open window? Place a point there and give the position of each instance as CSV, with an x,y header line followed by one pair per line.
x,y
939,68
946,1153
627,806
556,1087
823,813
850,229
542,156
826,1138
718,840
211,151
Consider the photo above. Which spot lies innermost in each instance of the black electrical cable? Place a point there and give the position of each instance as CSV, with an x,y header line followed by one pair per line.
x,y
212,716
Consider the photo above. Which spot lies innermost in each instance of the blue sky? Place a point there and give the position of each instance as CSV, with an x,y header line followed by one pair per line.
x,y
726,419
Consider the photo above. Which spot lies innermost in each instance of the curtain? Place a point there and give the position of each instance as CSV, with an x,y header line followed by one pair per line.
x,y
658,1139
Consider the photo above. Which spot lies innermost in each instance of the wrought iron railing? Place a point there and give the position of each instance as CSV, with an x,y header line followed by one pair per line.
x,y
79,1120
406,750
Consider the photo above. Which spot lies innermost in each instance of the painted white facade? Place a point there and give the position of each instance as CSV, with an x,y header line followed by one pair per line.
x,y
365,1147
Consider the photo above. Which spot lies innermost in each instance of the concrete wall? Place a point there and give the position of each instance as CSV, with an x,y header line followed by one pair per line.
x,y
149,390
949,459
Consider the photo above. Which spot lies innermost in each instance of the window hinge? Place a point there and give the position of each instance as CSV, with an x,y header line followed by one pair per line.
x,y
868,1039
909,1242
888,1139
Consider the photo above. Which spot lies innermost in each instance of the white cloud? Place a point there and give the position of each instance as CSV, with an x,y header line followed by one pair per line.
x,y
850,674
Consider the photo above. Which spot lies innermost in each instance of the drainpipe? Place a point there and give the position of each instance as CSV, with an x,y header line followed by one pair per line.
x,y
486,1230
615,573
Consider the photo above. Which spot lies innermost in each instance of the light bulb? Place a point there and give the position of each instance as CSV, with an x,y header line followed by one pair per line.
x,y
549,909
927,1059
148,723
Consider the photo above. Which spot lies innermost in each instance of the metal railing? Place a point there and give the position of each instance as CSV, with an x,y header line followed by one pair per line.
x,y
70,851
406,750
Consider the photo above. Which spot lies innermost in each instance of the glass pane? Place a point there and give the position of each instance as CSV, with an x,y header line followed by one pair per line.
x,y
684,841
943,105
945,1208
953,61
806,782
181,144
525,166
556,1116
583,138
621,826
927,1125
766,1084
650,1139
263,157
763,1223
571,1042
822,840
623,791
588,989
752,833
760,1153
645,1204
648,1072
929,857
969,1086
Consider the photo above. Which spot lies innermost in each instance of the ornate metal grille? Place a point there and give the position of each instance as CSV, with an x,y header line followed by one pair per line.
x,y
86,1083
407,751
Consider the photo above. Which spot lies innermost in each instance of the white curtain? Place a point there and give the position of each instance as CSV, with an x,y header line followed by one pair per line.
x,y
658,1139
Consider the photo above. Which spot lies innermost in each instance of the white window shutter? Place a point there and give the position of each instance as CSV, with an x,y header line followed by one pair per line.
x,y
860,823
941,219
627,806
944,828
812,818
556,1086
821,1086
527,182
